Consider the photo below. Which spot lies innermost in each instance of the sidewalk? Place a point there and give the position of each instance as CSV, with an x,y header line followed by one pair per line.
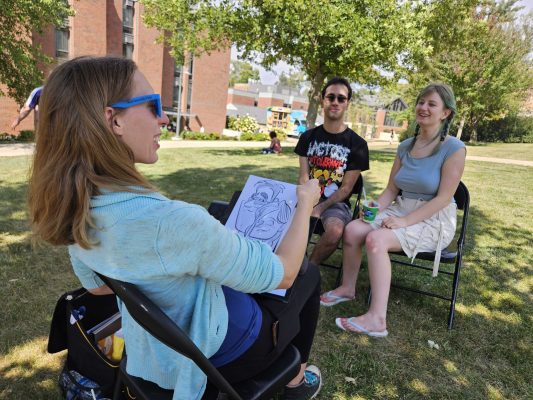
x,y
22,149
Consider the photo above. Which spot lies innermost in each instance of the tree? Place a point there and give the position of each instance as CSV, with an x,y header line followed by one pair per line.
x,y
486,61
293,79
18,58
242,72
356,39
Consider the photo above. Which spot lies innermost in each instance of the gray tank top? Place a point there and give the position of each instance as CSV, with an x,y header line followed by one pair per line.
x,y
419,178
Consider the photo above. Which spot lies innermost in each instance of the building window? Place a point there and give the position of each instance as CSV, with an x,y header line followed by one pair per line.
x,y
62,36
128,15
390,121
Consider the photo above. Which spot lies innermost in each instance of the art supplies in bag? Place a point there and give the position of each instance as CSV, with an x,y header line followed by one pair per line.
x,y
105,328
88,372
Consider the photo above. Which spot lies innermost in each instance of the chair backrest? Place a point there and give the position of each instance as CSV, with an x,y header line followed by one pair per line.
x,y
157,323
462,199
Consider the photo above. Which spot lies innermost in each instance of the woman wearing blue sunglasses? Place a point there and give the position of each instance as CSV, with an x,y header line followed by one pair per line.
x,y
99,116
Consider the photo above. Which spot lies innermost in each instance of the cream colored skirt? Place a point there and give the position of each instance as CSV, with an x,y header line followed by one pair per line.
x,y
432,234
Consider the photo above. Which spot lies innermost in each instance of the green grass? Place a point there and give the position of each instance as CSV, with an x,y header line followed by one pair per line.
x,y
488,355
513,151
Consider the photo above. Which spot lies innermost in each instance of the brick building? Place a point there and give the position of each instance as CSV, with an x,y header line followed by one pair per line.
x,y
258,101
114,27
374,118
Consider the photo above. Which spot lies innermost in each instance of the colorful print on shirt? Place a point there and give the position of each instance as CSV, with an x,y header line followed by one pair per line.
x,y
327,163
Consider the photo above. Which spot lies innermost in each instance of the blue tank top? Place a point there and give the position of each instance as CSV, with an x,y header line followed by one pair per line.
x,y
419,178
244,324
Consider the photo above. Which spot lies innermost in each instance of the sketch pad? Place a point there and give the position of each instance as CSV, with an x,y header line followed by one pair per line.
x,y
263,212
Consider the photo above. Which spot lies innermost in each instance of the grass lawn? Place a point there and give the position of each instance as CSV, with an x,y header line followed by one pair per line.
x,y
488,355
513,151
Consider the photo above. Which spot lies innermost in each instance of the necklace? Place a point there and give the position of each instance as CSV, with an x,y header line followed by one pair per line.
x,y
422,145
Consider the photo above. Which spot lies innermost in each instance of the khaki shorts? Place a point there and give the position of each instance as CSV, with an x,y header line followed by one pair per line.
x,y
338,210
432,234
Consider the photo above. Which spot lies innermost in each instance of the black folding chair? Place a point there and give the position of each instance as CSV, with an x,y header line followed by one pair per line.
x,y
424,261
316,227
158,324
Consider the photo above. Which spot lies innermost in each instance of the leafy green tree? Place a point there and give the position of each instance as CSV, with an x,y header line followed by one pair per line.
x,y
356,39
487,60
292,79
19,59
242,72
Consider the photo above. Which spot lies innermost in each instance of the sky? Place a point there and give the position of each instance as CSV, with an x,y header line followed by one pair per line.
x,y
268,77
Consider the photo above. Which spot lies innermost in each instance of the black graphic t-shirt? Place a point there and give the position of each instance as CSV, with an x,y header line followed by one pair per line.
x,y
331,155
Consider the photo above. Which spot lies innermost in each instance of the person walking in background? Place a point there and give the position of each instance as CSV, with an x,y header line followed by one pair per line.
x,y
335,155
427,169
275,144
32,103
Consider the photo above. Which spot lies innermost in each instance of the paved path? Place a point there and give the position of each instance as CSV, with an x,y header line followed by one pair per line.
x,y
21,149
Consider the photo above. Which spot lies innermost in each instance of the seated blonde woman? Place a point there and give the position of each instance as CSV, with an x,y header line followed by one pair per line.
x,y
427,169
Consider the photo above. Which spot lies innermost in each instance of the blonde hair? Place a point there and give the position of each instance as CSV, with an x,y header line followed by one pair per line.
x,y
76,152
445,92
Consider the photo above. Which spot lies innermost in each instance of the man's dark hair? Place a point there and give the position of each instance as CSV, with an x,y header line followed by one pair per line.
x,y
273,134
337,80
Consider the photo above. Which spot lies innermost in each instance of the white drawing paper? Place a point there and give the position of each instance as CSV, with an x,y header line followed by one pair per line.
x,y
264,211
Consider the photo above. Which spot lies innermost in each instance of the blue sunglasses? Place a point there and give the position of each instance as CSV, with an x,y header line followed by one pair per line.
x,y
154,98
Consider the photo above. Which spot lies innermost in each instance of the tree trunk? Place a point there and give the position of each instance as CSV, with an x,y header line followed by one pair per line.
x,y
315,97
461,126
473,135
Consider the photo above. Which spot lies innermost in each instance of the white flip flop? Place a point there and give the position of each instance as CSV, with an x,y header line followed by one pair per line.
x,y
358,328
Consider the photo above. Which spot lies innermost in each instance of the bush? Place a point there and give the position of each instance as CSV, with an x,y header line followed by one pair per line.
x,y
23,136
26,136
166,134
405,134
232,121
7,137
254,136
511,129
192,135
245,124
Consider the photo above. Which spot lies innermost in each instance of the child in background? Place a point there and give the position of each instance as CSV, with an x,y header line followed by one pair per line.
x,y
275,144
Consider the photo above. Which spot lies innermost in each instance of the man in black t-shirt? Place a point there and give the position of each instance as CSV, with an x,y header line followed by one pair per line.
x,y
335,155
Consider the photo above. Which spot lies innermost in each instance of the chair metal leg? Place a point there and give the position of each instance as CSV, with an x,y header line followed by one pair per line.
x,y
339,277
451,315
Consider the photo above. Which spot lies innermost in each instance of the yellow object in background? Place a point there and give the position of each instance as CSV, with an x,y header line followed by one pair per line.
x,y
118,346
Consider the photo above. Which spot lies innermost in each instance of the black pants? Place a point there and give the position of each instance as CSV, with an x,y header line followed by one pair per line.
x,y
293,322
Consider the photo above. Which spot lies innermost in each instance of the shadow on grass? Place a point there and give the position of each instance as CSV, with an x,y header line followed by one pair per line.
x,y
41,384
